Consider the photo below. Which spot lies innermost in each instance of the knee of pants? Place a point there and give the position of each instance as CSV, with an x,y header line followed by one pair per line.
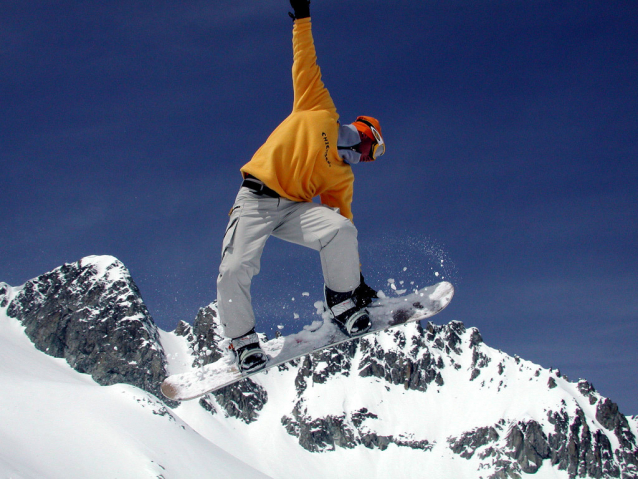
x,y
349,228
344,232
233,273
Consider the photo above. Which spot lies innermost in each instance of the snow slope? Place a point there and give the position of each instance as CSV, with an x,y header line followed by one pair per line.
x,y
427,416
480,388
56,423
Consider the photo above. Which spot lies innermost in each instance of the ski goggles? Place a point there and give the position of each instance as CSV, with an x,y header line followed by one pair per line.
x,y
377,148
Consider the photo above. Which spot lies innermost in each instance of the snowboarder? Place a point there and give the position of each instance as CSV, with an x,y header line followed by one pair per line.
x,y
309,154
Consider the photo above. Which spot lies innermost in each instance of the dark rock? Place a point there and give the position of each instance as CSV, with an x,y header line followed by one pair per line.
x,y
321,434
475,338
242,400
453,333
92,314
207,404
415,371
304,372
333,361
469,442
578,450
207,336
4,295
185,330
345,431
528,445
572,447
479,359
446,337
456,326
610,418
585,388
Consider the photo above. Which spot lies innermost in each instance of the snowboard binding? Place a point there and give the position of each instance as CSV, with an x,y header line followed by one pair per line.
x,y
250,357
348,310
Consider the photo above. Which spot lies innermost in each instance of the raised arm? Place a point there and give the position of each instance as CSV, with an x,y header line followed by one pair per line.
x,y
309,90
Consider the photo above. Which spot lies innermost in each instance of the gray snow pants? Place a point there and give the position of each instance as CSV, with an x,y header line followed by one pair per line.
x,y
253,220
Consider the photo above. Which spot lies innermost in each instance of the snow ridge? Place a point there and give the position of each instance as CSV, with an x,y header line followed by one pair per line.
x,y
439,391
414,400
92,314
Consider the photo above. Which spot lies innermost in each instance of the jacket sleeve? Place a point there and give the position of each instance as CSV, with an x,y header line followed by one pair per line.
x,y
310,92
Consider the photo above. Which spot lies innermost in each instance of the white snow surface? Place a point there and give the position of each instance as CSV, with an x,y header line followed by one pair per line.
x,y
58,423
435,416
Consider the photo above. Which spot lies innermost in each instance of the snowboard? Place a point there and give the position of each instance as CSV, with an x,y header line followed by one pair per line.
x,y
385,313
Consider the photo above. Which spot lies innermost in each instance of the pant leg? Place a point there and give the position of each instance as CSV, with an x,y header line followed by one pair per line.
x,y
251,222
334,236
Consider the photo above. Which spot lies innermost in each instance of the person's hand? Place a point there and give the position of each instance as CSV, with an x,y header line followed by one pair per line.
x,y
301,8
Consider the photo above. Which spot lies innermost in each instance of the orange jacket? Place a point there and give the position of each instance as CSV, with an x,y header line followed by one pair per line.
x,y
300,160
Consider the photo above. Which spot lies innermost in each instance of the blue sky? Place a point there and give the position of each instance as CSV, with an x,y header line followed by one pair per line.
x,y
511,127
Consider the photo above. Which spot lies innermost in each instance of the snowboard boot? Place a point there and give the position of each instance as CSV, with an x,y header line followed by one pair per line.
x,y
250,356
348,311
364,294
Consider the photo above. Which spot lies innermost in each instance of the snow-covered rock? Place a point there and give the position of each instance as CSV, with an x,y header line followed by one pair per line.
x,y
58,424
92,314
432,401
442,391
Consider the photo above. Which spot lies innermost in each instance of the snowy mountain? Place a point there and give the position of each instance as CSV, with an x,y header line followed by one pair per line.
x,y
81,361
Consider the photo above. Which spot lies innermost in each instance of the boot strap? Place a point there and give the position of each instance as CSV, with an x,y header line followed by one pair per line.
x,y
243,341
339,309
353,319
248,352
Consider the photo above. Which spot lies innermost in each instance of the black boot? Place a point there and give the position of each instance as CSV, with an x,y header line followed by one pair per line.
x,y
348,312
364,294
250,356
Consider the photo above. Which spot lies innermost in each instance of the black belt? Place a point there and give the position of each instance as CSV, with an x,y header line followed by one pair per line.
x,y
258,187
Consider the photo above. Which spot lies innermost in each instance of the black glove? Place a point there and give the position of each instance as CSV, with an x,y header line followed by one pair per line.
x,y
301,7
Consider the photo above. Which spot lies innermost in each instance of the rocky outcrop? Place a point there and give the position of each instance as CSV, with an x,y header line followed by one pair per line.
x,y
568,441
243,400
506,449
467,444
415,368
346,431
610,418
91,313
319,367
418,359
4,295
409,363
207,336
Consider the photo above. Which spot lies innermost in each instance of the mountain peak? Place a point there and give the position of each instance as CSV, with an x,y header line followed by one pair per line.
x,y
438,389
92,314
408,400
